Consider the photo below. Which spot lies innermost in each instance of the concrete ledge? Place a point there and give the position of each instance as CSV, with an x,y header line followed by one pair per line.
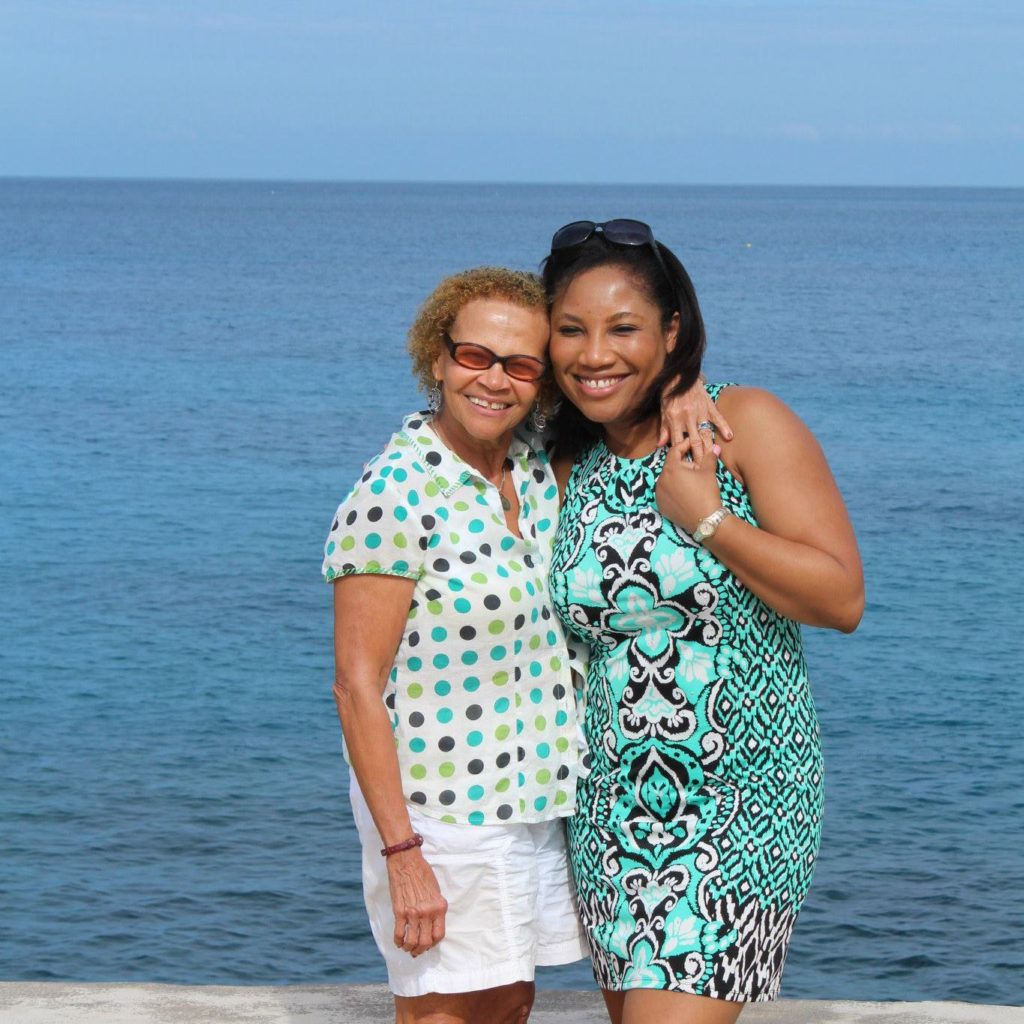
x,y
33,1002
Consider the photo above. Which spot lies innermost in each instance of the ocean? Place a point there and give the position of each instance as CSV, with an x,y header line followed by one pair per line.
x,y
193,374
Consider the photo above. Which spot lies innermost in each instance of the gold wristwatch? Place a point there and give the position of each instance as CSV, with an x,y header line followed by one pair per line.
x,y
709,524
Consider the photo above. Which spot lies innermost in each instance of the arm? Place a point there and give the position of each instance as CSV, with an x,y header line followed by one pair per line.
x,y
802,559
680,414
370,612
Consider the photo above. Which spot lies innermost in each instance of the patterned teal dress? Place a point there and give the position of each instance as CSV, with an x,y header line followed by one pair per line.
x,y
698,817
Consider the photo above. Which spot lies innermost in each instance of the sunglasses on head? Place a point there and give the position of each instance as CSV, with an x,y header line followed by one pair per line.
x,y
479,357
621,231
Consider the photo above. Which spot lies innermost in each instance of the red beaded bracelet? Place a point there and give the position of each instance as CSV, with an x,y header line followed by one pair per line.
x,y
406,844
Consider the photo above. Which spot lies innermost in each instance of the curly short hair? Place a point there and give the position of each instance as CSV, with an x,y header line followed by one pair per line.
x,y
445,302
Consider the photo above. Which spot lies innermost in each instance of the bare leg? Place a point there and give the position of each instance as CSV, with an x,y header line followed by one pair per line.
x,y
615,1001
506,1004
648,1006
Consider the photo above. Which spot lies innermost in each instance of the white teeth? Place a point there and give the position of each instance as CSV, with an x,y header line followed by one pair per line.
x,y
487,405
599,383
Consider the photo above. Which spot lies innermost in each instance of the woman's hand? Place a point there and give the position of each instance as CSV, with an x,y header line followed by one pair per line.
x,y
680,417
417,901
688,492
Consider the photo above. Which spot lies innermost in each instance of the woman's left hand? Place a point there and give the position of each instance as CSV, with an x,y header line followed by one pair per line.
x,y
688,492
681,420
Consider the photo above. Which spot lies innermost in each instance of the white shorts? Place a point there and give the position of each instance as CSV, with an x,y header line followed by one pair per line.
x,y
510,903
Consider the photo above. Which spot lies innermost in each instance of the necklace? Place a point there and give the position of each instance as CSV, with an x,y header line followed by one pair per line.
x,y
505,503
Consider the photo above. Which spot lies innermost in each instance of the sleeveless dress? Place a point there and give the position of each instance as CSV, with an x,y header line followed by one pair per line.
x,y
698,813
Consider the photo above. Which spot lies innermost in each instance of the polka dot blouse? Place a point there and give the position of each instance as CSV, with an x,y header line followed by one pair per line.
x,y
480,694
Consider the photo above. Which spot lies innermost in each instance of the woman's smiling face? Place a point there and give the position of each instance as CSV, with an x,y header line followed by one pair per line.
x,y
607,344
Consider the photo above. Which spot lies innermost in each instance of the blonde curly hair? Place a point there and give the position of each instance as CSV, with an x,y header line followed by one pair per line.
x,y
445,302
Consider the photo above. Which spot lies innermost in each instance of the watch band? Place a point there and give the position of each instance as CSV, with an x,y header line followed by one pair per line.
x,y
709,524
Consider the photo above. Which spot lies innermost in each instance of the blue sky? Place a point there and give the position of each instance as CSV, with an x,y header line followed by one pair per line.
x,y
811,92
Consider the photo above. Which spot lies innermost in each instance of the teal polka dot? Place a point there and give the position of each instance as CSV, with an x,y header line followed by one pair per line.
x,y
476,818
469,657
434,541
373,540
412,498
401,475
507,544
401,513
415,664
474,738
442,688
444,715
535,669
540,803
386,471
536,696
543,750
401,566
501,705
417,745
378,486
471,684
542,525
499,653
476,526
439,633
561,718
462,605
475,792
502,572
441,512
455,585
441,660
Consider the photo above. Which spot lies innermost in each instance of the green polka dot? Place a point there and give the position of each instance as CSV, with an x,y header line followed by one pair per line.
x,y
534,641
501,786
400,541
447,770
561,797
515,593
500,678
540,723
430,489
543,776
415,691
515,566
434,607
495,627
460,506
502,732
561,744
348,543
417,771
478,577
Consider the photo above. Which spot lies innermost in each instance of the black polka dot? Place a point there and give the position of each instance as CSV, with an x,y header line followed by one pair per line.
x,y
492,602
423,543
375,514
558,691
538,475
485,550
334,526
467,632
468,557
447,797
441,565
433,595
505,812
562,773
429,522
476,766
434,458
366,476
446,743
415,424
545,614
418,798
416,719
503,760
517,673
389,700
473,712
528,561
519,621
414,638
351,517
520,754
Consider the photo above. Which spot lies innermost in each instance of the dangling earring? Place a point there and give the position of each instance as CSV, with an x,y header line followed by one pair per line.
x,y
434,399
536,421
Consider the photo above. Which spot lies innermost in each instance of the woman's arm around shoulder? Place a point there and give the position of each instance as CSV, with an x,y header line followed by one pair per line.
x,y
802,558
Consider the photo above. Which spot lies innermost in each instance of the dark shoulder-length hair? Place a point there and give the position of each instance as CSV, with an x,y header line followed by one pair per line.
x,y
669,287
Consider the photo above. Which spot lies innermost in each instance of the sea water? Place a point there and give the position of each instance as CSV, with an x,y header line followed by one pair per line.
x,y
193,374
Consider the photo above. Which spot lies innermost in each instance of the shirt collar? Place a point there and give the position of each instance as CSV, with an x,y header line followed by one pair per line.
x,y
447,469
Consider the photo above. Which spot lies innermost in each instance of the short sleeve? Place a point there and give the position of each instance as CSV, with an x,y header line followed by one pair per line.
x,y
373,531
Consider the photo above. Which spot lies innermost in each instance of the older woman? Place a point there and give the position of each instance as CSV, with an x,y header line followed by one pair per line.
x,y
699,815
452,679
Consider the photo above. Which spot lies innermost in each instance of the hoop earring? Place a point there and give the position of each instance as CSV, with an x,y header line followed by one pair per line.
x,y
434,399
